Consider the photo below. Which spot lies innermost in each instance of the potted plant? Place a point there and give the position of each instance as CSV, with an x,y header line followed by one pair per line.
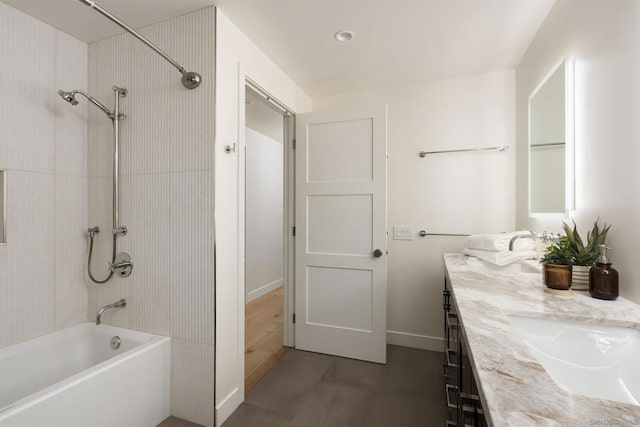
x,y
557,262
584,255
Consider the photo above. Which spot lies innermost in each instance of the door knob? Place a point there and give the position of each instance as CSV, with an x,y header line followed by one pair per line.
x,y
377,253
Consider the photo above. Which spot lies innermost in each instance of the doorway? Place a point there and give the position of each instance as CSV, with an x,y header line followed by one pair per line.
x,y
265,237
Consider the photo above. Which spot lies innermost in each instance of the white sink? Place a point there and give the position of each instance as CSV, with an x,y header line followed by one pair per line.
x,y
588,359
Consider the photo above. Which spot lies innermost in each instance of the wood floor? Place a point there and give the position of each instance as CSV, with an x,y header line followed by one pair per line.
x,y
263,337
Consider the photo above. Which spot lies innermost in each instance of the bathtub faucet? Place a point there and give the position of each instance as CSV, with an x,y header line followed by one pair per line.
x,y
118,304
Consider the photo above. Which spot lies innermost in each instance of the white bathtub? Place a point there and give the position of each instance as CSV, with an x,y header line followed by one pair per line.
x,y
73,378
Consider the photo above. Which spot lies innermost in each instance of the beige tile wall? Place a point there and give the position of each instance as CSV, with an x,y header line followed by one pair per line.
x,y
43,147
167,143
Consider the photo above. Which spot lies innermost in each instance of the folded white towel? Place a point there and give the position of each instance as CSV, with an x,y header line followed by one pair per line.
x,y
500,257
498,242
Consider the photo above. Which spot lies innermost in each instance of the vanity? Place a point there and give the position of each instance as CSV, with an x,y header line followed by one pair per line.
x,y
516,355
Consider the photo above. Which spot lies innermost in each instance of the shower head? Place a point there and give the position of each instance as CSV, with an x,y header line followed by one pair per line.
x,y
68,96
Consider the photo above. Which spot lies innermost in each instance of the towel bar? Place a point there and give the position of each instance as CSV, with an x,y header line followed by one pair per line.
x,y
423,233
501,148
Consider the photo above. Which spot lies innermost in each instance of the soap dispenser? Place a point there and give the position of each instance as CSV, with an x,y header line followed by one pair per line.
x,y
603,279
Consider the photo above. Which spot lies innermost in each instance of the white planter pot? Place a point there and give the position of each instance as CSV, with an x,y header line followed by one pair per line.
x,y
580,278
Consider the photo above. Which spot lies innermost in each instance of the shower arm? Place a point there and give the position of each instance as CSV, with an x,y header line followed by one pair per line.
x,y
94,101
190,79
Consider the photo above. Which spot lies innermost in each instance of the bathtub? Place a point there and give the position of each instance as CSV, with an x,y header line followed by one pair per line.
x,y
73,378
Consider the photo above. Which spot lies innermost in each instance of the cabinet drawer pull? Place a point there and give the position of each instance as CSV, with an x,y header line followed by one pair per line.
x,y
470,397
446,371
452,320
451,353
451,389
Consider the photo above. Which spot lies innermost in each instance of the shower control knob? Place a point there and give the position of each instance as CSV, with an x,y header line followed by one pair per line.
x,y
122,265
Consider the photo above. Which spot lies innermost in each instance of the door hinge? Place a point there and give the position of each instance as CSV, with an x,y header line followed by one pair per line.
x,y
294,143
294,231
294,318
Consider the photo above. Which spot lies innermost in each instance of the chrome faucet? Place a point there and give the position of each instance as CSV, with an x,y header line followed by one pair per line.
x,y
118,304
546,237
530,235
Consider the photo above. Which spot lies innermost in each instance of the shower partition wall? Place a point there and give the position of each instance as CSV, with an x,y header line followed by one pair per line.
x,y
121,263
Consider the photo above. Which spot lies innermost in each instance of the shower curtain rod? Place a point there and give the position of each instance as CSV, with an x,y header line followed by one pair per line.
x,y
190,79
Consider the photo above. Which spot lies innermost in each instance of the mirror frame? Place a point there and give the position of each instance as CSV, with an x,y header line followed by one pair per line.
x,y
569,131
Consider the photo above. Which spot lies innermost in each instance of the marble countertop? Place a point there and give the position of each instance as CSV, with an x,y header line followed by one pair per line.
x,y
515,389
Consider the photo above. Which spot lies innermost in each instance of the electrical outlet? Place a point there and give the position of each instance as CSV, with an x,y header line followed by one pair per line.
x,y
402,232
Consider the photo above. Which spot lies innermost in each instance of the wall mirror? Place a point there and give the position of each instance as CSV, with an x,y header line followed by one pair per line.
x,y
551,143
3,205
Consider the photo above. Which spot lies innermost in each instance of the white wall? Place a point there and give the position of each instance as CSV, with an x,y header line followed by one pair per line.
x,y
43,147
263,118
603,39
447,193
264,213
236,57
264,197
167,195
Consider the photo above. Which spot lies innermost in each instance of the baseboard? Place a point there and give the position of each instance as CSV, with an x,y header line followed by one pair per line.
x,y
228,406
423,342
263,290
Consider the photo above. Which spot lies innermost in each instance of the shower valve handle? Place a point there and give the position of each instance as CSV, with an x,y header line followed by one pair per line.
x,y
122,265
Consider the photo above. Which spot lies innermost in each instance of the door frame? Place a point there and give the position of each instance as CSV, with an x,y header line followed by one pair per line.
x,y
288,214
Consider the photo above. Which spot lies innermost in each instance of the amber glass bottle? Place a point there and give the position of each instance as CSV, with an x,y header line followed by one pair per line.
x,y
603,279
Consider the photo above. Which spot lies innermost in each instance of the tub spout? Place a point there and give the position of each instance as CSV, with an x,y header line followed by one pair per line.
x,y
118,304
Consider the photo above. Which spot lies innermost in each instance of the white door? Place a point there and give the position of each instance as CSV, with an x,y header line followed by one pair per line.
x,y
341,239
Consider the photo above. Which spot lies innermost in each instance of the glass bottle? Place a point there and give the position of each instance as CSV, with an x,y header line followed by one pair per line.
x,y
603,279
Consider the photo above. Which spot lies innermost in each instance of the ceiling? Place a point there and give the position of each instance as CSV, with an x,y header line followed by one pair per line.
x,y
78,20
397,41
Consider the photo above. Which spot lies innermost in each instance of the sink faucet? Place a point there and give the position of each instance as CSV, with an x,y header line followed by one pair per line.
x,y
529,235
118,304
546,237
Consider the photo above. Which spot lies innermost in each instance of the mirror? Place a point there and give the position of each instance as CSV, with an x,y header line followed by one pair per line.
x,y
550,144
3,204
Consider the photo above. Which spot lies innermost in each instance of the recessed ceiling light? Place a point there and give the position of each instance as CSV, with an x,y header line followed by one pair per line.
x,y
345,35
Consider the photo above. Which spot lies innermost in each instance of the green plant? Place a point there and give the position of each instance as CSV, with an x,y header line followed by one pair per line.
x,y
585,254
559,253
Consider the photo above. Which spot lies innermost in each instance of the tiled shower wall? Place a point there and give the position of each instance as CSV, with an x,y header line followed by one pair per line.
x,y
167,184
43,147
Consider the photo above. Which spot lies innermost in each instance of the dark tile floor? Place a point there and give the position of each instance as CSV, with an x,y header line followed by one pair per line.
x,y
177,422
308,389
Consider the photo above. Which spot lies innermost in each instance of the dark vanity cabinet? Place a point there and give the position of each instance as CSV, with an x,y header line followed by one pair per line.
x,y
463,402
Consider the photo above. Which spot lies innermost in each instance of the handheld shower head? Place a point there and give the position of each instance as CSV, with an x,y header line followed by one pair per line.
x,y
68,96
